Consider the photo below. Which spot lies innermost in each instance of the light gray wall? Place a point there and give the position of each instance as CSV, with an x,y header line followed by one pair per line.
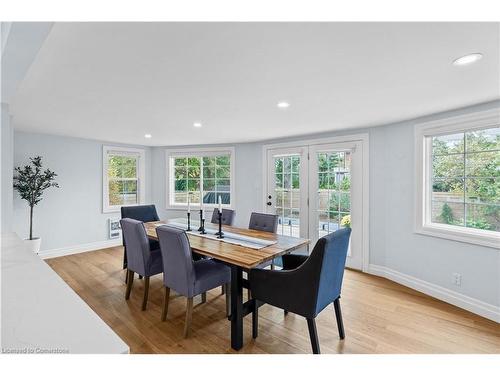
x,y
393,242
7,149
71,215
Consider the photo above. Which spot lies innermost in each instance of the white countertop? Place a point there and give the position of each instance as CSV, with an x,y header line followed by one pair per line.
x,y
40,312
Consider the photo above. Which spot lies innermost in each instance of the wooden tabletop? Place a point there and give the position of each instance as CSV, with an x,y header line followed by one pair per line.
x,y
236,254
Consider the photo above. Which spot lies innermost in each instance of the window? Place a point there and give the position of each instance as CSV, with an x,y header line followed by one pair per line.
x,y
123,177
201,175
460,176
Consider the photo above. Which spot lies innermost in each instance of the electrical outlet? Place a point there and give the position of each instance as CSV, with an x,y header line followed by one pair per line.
x,y
457,279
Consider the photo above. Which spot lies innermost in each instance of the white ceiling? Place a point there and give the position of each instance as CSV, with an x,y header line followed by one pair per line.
x,y
117,81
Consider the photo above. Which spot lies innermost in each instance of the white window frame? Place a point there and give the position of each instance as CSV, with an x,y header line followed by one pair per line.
x,y
141,171
197,152
423,167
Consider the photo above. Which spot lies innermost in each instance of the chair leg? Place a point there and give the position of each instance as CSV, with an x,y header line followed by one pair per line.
x,y
313,334
146,293
130,281
272,266
189,316
222,289
165,304
338,315
228,299
249,295
203,297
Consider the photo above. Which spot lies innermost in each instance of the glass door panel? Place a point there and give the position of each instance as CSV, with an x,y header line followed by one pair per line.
x,y
287,193
287,197
335,186
333,191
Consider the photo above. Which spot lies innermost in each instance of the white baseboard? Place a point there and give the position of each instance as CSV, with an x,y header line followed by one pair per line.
x,y
75,249
467,303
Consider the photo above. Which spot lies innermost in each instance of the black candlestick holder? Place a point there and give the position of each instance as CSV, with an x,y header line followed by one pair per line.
x,y
202,231
220,233
201,222
189,222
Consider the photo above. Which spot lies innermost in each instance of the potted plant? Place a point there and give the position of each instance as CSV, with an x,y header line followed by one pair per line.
x,y
30,182
346,221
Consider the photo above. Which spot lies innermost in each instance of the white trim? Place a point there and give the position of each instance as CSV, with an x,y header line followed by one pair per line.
x,y
199,151
473,305
423,132
141,174
364,138
76,249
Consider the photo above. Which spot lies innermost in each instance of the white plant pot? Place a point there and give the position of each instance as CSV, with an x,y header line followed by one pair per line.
x,y
34,244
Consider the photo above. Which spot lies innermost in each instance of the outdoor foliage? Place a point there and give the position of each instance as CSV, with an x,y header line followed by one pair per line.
x,y
466,170
447,214
188,172
31,181
122,176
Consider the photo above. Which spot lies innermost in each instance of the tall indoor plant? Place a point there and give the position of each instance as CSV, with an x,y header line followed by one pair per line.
x,y
30,182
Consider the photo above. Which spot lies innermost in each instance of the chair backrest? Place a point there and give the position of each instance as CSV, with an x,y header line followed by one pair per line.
x,y
227,216
143,213
178,269
263,222
138,251
332,250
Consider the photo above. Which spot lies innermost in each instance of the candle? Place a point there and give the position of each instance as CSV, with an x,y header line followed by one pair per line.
x,y
220,203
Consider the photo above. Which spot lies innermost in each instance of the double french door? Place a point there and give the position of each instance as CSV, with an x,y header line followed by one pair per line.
x,y
316,190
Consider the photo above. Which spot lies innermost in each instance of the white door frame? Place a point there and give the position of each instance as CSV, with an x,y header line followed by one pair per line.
x,y
364,138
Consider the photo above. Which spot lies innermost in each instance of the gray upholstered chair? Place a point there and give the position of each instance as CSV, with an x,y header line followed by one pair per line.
x,y
227,216
263,222
142,213
227,219
185,276
140,258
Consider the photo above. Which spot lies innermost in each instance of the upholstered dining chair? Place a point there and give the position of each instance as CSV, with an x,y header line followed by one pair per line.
x,y
141,259
307,284
263,222
227,216
184,275
142,213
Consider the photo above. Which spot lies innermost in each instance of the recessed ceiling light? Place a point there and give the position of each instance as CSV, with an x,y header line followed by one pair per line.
x,y
197,125
468,59
283,105
147,135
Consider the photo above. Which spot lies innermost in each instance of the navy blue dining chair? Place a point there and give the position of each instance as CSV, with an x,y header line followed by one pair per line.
x,y
142,213
141,259
185,276
307,284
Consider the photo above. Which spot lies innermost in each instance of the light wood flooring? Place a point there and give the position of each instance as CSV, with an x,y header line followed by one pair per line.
x,y
380,316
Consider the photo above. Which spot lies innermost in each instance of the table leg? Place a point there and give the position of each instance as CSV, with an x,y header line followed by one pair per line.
x,y
236,307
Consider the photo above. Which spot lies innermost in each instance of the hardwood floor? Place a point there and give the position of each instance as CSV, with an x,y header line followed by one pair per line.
x,y
380,316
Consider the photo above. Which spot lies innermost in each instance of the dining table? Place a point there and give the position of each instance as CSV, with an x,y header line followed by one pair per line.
x,y
241,249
